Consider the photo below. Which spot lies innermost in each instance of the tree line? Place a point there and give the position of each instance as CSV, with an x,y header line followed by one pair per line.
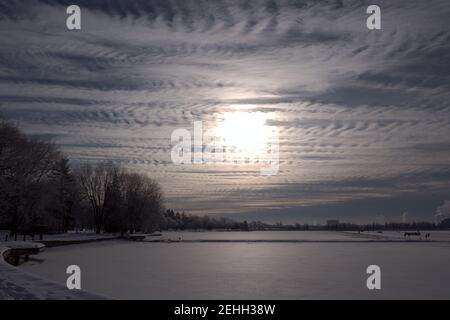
x,y
41,192
181,221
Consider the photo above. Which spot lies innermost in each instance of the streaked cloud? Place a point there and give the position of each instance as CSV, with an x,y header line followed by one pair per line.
x,y
364,115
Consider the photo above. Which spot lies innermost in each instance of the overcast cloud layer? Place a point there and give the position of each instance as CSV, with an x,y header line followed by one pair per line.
x,y
364,115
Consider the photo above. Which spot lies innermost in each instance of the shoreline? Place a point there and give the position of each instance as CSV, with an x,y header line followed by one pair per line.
x,y
295,241
17,284
338,237
59,243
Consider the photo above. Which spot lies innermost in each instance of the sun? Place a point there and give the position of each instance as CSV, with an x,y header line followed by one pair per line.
x,y
245,134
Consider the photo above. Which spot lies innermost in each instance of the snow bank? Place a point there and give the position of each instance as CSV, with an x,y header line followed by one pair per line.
x,y
16,284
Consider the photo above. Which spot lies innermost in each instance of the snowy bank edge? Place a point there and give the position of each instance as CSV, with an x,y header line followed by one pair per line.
x,y
16,284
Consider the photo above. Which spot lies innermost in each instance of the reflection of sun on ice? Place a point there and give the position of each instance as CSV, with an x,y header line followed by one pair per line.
x,y
245,133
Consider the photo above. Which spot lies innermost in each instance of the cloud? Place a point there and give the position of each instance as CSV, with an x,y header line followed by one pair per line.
x,y
362,114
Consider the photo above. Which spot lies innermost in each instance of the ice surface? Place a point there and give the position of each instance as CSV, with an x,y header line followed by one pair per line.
x,y
439,235
296,236
15,284
251,270
253,236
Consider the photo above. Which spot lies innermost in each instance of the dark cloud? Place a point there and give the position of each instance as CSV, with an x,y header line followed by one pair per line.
x,y
363,115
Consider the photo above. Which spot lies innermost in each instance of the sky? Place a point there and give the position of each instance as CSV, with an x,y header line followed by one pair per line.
x,y
362,117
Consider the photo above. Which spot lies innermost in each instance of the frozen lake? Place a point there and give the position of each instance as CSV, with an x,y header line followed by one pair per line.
x,y
249,270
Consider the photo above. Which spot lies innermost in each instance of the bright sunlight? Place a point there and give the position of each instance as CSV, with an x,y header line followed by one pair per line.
x,y
244,133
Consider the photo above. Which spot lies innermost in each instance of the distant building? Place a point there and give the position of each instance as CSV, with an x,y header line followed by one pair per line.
x,y
332,223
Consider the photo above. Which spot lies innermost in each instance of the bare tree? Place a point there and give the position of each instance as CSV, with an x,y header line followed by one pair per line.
x,y
25,165
39,191
143,202
95,186
65,195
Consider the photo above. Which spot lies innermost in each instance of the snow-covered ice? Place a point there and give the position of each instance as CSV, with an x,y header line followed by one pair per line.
x,y
295,236
15,284
251,236
252,270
